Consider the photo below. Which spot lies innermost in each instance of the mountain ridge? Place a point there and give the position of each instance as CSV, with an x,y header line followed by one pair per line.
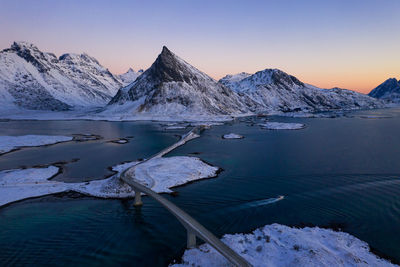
x,y
171,85
32,79
277,91
388,90
53,83
129,76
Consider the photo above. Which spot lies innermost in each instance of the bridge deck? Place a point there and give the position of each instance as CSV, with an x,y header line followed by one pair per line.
x,y
193,227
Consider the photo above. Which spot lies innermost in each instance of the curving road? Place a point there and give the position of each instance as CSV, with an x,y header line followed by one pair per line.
x,y
194,229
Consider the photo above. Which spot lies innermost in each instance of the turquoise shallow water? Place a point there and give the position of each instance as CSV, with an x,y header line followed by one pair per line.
x,y
339,172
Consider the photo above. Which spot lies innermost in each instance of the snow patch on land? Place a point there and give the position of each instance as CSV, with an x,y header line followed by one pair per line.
x,y
279,245
282,126
232,136
207,123
175,127
160,174
27,183
120,141
9,143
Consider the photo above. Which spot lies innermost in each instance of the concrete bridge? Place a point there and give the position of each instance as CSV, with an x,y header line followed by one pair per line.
x,y
193,228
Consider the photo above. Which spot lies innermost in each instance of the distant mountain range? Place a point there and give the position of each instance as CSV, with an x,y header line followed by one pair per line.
x,y
388,90
275,90
32,79
129,76
172,86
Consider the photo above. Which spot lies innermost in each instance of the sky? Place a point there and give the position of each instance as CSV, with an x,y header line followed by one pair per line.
x,y
351,44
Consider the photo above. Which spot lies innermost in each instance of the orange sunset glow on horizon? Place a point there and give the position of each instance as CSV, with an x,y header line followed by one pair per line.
x,y
346,44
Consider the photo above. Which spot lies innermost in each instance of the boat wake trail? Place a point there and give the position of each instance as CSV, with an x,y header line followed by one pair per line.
x,y
254,204
263,202
259,203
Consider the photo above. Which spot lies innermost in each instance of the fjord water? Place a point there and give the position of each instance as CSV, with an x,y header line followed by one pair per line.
x,y
337,172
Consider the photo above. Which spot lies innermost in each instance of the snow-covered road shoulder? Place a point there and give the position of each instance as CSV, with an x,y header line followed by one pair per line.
x,y
279,245
282,126
10,143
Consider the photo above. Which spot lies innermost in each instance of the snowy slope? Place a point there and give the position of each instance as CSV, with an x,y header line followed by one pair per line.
x,y
9,143
173,87
280,245
33,79
129,76
231,80
388,90
276,90
160,174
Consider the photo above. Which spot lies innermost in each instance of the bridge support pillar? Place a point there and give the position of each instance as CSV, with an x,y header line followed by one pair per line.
x,y
138,199
191,239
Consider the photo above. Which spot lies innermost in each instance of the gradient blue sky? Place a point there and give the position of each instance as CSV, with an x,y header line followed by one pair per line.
x,y
351,44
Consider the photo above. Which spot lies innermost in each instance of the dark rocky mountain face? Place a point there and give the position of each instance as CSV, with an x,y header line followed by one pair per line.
x,y
31,54
171,86
167,68
388,90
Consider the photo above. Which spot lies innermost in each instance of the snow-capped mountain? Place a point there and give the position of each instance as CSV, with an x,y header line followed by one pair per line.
x,y
388,90
275,90
231,80
129,76
32,79
171,86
